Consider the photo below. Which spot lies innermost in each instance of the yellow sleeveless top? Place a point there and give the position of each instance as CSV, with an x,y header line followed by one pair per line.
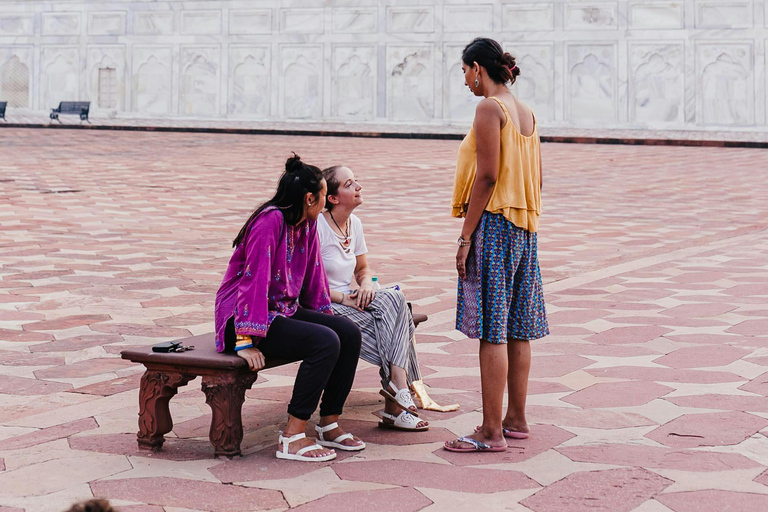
x,y
517,194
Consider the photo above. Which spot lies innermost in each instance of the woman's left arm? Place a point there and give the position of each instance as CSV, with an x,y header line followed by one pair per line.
x,y
487,127
363,274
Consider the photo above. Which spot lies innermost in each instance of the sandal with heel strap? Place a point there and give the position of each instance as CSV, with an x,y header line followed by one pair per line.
x,y
402,397
404,421
300,455
336,443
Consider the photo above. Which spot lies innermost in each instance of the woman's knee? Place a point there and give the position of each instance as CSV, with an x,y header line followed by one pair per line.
x,y
349,333
327,342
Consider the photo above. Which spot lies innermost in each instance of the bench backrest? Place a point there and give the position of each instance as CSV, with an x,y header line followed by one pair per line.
x,y
74,106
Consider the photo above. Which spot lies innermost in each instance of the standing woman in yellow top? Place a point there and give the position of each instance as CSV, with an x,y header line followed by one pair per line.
x,y
497,190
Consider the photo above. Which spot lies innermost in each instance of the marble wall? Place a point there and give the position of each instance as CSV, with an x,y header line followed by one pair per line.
x,y
660,64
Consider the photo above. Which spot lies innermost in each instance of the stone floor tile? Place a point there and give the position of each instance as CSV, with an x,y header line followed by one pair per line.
x,y
449,501
700,357
617,394
191,494
407,500
126,444
711,429
713,501
48,434
30,387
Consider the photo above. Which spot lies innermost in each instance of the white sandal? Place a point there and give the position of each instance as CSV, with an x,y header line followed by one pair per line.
x,y
299,455
403,421
336,443
402,398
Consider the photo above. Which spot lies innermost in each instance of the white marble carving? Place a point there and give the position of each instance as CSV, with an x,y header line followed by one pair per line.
x,y
201,22
354,81
591,16
17,25
199,81
152,23
728,14
355,21
536,83
250,92
15,66
591,95
152,79
657,88
106,57
725,80
477,19
458,101
254,21
528,17
60,75
302,21
106,23
408,20
302,80
410,85
61,23
656,15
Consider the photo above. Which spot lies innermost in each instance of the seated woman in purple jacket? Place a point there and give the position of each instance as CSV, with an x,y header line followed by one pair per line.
x,y
274,303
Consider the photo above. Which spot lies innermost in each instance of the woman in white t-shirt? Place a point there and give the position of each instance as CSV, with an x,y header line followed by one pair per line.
x,y
382,315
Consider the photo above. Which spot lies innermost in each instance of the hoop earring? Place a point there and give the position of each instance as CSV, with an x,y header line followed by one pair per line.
x,y
477,83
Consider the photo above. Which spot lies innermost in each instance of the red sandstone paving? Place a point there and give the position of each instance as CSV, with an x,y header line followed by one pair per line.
x,y
407,500
713,501
617,394
76,343
87,368
616,490
8,358
725,402
30,387
751,328
125,444
176,492
48,434
110,387
665,374
757,385
699,357
709,429
641,334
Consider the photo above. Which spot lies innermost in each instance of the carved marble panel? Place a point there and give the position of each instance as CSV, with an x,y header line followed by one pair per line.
x,y
15,75
106,23
17,25
536,83
458,101
302,81
528,17
304,21
363,20
656,15
468,18
410,83
199,81
354,81
724,14
106,96
59,73
152,68
201,22
591,16
253,21
408,20
61,23
657,83
153,23
591,91
250,84
725,83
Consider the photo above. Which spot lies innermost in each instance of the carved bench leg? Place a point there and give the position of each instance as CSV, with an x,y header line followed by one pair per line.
x,y
225,394
157,389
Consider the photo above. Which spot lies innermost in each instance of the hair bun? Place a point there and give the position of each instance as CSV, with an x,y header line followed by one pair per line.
x,y
293,164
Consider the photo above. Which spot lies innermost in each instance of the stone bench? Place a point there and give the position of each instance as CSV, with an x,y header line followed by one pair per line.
x,y
226,378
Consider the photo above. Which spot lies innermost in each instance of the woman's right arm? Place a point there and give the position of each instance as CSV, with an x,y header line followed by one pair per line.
x,y
345,299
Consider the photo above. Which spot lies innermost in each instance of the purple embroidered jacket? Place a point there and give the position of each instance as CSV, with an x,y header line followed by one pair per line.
x,y
273,271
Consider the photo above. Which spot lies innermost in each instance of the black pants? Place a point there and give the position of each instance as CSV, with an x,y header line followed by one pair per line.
x,y
328,347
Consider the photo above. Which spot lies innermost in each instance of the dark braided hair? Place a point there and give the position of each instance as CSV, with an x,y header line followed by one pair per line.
x,y
500,65
297,179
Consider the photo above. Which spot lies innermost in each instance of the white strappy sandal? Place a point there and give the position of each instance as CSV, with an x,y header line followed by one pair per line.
x,y
402,397
336,443
299,455
404,421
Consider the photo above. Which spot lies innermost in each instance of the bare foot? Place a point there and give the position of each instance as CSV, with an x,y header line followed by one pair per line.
x,y
516,426
297,445
477,436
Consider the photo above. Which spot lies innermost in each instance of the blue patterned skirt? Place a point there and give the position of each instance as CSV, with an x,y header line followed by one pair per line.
x,y
502,297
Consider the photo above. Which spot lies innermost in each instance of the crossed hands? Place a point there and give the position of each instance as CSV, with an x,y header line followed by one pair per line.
x,y
360,298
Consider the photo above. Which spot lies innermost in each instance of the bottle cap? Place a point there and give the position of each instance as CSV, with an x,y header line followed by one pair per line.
x,y
374,279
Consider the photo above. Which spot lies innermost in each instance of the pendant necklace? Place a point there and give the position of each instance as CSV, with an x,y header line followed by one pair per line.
x,y
343,240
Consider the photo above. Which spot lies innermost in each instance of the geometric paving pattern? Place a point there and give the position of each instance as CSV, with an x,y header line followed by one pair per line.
x,y
650,395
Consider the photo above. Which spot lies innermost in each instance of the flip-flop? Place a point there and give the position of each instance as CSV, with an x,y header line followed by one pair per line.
x,y
477,446
511,434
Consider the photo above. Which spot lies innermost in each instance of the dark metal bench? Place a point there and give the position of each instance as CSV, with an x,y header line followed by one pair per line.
x,y
3,105
80,108
226,378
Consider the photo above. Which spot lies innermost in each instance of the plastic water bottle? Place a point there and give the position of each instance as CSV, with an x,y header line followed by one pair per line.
x,y
376,285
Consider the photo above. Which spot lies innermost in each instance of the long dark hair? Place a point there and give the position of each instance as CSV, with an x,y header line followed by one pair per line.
x,y
297,179
332,182
500,65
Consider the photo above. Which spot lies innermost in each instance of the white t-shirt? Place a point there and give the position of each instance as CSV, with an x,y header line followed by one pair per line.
x,y
340,265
